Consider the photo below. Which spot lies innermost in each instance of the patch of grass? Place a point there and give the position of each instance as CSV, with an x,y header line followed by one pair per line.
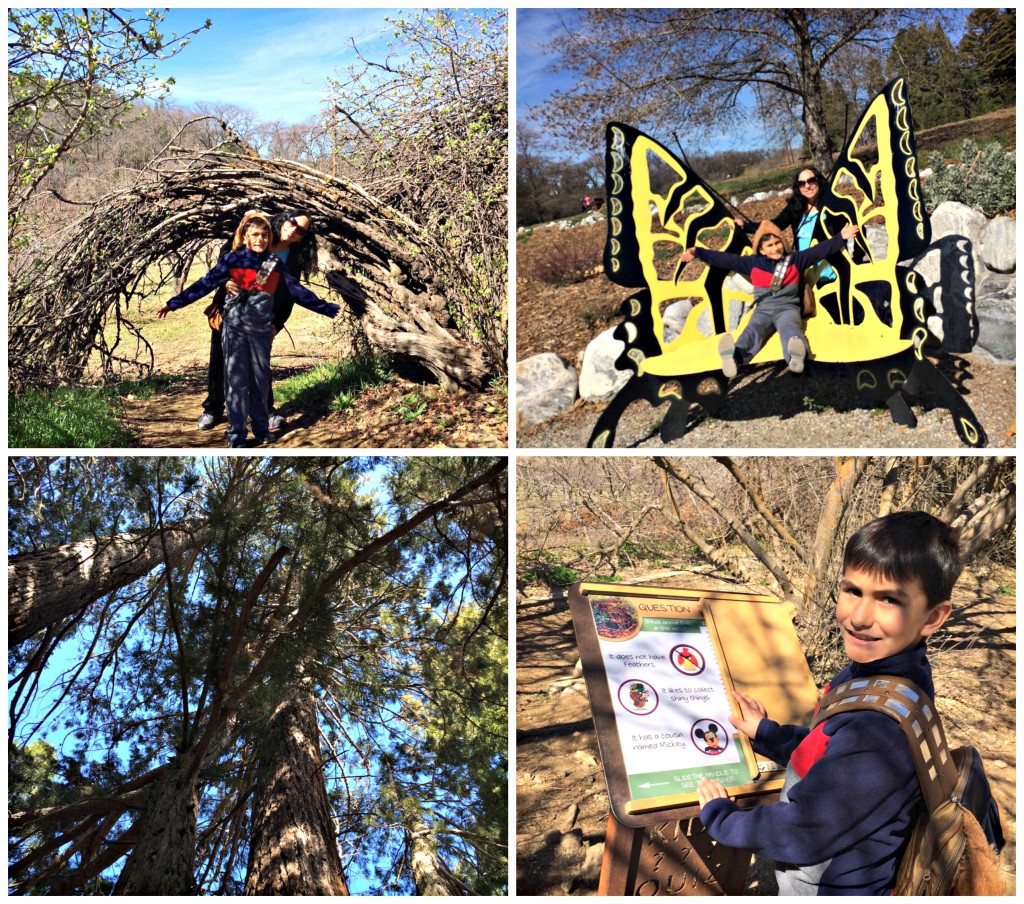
x,y
603,579
84,418
338,383
1005,591
555,575
500,385
144,389
812,405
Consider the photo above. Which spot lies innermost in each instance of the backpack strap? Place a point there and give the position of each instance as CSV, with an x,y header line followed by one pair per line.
x,y
780,272
905,702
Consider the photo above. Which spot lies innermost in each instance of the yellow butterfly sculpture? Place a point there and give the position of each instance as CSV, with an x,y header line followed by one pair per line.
x,y
871,316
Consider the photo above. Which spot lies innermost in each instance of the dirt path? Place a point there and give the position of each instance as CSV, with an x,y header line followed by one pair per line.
x,y
381,417
561,802
399,413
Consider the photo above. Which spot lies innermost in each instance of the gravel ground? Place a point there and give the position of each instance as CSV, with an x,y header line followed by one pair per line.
x,y
773,409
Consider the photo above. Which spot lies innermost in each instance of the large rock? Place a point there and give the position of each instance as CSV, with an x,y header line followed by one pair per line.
x,y
545,386
673,319
999,245
878,241
997,316
599,379
733,282
954,218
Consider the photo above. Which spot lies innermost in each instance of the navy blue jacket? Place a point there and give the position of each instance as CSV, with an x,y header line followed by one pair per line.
x,y
761,269
850,799
242,266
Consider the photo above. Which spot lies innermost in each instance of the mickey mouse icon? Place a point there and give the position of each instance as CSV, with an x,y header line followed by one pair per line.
x,y
712,738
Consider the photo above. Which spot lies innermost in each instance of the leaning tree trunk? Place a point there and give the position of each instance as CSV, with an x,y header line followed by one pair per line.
x,y
47,586
293,849
408,326
162,862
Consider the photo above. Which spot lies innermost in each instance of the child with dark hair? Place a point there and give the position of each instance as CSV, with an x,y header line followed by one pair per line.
x,y
248,327
776,274
851,792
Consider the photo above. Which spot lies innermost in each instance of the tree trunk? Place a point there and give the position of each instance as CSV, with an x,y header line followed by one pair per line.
x,y
293,849
163,859
816,140
431,876
848,472
47,586
410,329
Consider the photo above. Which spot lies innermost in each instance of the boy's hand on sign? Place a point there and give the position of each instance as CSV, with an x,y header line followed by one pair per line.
x,y
709,790
751,713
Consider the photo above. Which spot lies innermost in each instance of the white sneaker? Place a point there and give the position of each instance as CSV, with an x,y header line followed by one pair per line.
x,y
797,354
727,352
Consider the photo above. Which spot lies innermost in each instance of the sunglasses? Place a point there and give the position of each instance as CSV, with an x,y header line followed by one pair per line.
x,y
812,181
301,230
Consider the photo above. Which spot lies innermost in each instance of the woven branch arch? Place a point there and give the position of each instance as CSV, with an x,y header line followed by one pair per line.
x,y
132,243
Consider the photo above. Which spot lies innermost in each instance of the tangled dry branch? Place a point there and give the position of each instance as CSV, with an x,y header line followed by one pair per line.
x,y
133,243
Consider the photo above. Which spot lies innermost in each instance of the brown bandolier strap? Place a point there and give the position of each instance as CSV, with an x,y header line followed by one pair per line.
x,y
780,272
905,702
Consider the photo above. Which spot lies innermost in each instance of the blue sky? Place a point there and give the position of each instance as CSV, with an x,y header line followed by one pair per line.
x,y
537,78
537,75
273,61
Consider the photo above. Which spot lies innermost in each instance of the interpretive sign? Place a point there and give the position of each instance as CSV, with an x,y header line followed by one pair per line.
x,y
660,670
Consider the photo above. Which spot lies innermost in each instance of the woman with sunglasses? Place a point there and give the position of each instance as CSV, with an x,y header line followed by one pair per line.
x,y
800,213
294,242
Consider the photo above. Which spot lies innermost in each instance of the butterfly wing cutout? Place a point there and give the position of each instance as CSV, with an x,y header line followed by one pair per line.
x,y
657,208
874,308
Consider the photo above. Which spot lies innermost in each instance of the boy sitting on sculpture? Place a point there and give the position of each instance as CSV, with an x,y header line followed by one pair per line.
x,y
775,274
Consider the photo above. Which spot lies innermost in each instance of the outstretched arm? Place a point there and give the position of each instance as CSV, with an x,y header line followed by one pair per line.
x,y
804,259
219,275
307,299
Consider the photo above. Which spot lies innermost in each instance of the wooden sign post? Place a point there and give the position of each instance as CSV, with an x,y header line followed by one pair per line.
x,y
660,665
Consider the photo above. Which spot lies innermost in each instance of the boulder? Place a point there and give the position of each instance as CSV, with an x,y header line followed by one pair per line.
x,y
545,386
673,319
599,379
954,218
999,245
997,316
878,241
947,282
732,320
736,282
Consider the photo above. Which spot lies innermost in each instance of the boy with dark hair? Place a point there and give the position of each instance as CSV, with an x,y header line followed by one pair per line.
x,y
851,792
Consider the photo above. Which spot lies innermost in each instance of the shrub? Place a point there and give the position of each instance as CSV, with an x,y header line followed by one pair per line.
x,y
562,257
985,179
